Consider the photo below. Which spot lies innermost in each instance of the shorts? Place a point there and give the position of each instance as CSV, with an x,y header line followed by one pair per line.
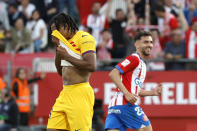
x,y
73,109
126,116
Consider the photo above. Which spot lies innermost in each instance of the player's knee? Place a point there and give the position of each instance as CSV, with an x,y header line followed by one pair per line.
x,y
148,128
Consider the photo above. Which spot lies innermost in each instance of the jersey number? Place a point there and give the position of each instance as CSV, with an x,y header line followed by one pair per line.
x,y
139,111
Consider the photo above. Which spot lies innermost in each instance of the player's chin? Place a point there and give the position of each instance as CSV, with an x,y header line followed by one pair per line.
x,y
147,53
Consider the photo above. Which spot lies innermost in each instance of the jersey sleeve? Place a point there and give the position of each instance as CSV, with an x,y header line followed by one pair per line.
x,y
87,44
128,64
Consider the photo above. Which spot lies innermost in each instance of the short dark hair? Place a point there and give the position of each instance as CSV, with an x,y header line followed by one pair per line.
x,y
159,7
36,10
119,9
64,19
14,5
104,30
141,34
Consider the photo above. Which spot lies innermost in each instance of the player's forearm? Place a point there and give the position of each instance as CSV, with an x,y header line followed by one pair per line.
x,y
143,93
89,65
58,64
116,78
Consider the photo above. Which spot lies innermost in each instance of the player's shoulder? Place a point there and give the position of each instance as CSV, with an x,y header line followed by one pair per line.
x,y
133,56
85,36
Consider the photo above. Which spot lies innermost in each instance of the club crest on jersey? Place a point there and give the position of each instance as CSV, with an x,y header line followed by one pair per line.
x,y
138,82
125,63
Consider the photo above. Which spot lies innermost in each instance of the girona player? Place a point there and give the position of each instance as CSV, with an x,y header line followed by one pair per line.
x,y
129,76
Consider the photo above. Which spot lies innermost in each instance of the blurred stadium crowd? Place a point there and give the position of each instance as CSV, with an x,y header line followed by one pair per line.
x,y
24,28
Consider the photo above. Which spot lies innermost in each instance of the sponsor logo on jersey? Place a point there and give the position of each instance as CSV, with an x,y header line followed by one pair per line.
x,y
115,111
125,63
138,82
84,35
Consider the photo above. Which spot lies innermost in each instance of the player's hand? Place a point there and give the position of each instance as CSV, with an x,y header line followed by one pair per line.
x,y
132,98
158,90
55,40
62,52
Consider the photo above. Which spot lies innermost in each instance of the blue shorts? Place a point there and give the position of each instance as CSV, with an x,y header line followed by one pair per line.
x,y
126,116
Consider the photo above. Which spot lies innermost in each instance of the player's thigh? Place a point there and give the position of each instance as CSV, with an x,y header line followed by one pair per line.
x,y
112,130
80,118
148,128
81,112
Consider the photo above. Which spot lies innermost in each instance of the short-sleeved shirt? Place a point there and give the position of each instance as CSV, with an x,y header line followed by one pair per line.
x,y
118,31
35,27
28,10
175,50
133,72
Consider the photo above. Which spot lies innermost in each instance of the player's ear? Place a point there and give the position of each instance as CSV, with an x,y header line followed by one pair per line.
x,y
136,44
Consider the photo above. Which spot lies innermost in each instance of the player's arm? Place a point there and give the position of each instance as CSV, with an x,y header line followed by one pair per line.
x,y
87,63
129,64
154,92
87,50
58,64
57,56
116,78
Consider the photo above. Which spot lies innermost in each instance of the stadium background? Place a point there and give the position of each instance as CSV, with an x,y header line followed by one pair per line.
x,y
175,110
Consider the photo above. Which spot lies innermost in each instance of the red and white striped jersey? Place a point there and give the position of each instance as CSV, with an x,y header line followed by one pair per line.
x,y
133,72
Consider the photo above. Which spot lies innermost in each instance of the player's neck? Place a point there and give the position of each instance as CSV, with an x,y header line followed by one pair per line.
x,y
141,55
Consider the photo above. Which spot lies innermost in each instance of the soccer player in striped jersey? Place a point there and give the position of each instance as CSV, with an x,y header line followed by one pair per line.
x,y
128,76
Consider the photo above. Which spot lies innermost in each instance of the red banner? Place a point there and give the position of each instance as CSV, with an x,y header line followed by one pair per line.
x,y
179,97
174,110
